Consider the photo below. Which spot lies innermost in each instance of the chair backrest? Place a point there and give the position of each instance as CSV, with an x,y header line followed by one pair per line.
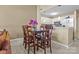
x,y
48,29
27,30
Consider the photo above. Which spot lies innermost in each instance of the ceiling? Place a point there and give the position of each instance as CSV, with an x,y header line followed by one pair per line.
x,y
60,9
46,7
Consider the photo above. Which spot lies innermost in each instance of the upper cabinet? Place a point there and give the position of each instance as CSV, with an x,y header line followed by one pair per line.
x,y
45,20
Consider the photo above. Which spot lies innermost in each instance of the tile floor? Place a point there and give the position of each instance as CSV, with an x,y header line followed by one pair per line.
x,y
18,48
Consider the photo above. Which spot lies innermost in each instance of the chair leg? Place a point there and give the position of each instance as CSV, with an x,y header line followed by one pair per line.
x,y
44,48
25,45
34,46
28,48
50,47
37,48
24,41
34,50
37,45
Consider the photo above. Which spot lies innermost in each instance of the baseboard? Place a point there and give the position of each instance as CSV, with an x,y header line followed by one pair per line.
x,y
15,39
70,44
67,46
76,39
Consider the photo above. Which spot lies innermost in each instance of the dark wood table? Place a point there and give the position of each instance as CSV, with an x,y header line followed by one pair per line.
x,y
39,34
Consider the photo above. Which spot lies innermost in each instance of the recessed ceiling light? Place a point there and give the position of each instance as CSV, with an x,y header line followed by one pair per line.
x,y
59,18
54,13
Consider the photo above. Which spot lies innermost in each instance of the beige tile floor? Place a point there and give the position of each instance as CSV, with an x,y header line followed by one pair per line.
x,y
18,48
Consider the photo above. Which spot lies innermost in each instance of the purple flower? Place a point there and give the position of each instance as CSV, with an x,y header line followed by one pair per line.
x,y
33,22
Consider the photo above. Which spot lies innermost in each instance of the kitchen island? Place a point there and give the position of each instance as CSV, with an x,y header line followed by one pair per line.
x,y
63,35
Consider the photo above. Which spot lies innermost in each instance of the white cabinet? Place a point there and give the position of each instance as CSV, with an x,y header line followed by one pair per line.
x,y
45,20
63,35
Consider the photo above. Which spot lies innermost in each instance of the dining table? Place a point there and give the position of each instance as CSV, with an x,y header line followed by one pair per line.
x,y
39,34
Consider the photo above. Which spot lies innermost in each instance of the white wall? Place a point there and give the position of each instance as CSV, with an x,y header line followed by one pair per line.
x,y
12,18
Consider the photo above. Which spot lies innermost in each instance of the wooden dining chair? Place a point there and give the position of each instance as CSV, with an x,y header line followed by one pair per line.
x,y
48,36
29,38
45,40
24,33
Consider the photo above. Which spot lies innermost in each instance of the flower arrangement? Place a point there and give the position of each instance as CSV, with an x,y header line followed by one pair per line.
x,y
33,22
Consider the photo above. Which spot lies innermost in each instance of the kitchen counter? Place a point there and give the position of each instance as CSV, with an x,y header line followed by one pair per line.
x,y
63,35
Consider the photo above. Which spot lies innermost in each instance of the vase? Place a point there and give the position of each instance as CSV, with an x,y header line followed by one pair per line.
x,y
34,28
